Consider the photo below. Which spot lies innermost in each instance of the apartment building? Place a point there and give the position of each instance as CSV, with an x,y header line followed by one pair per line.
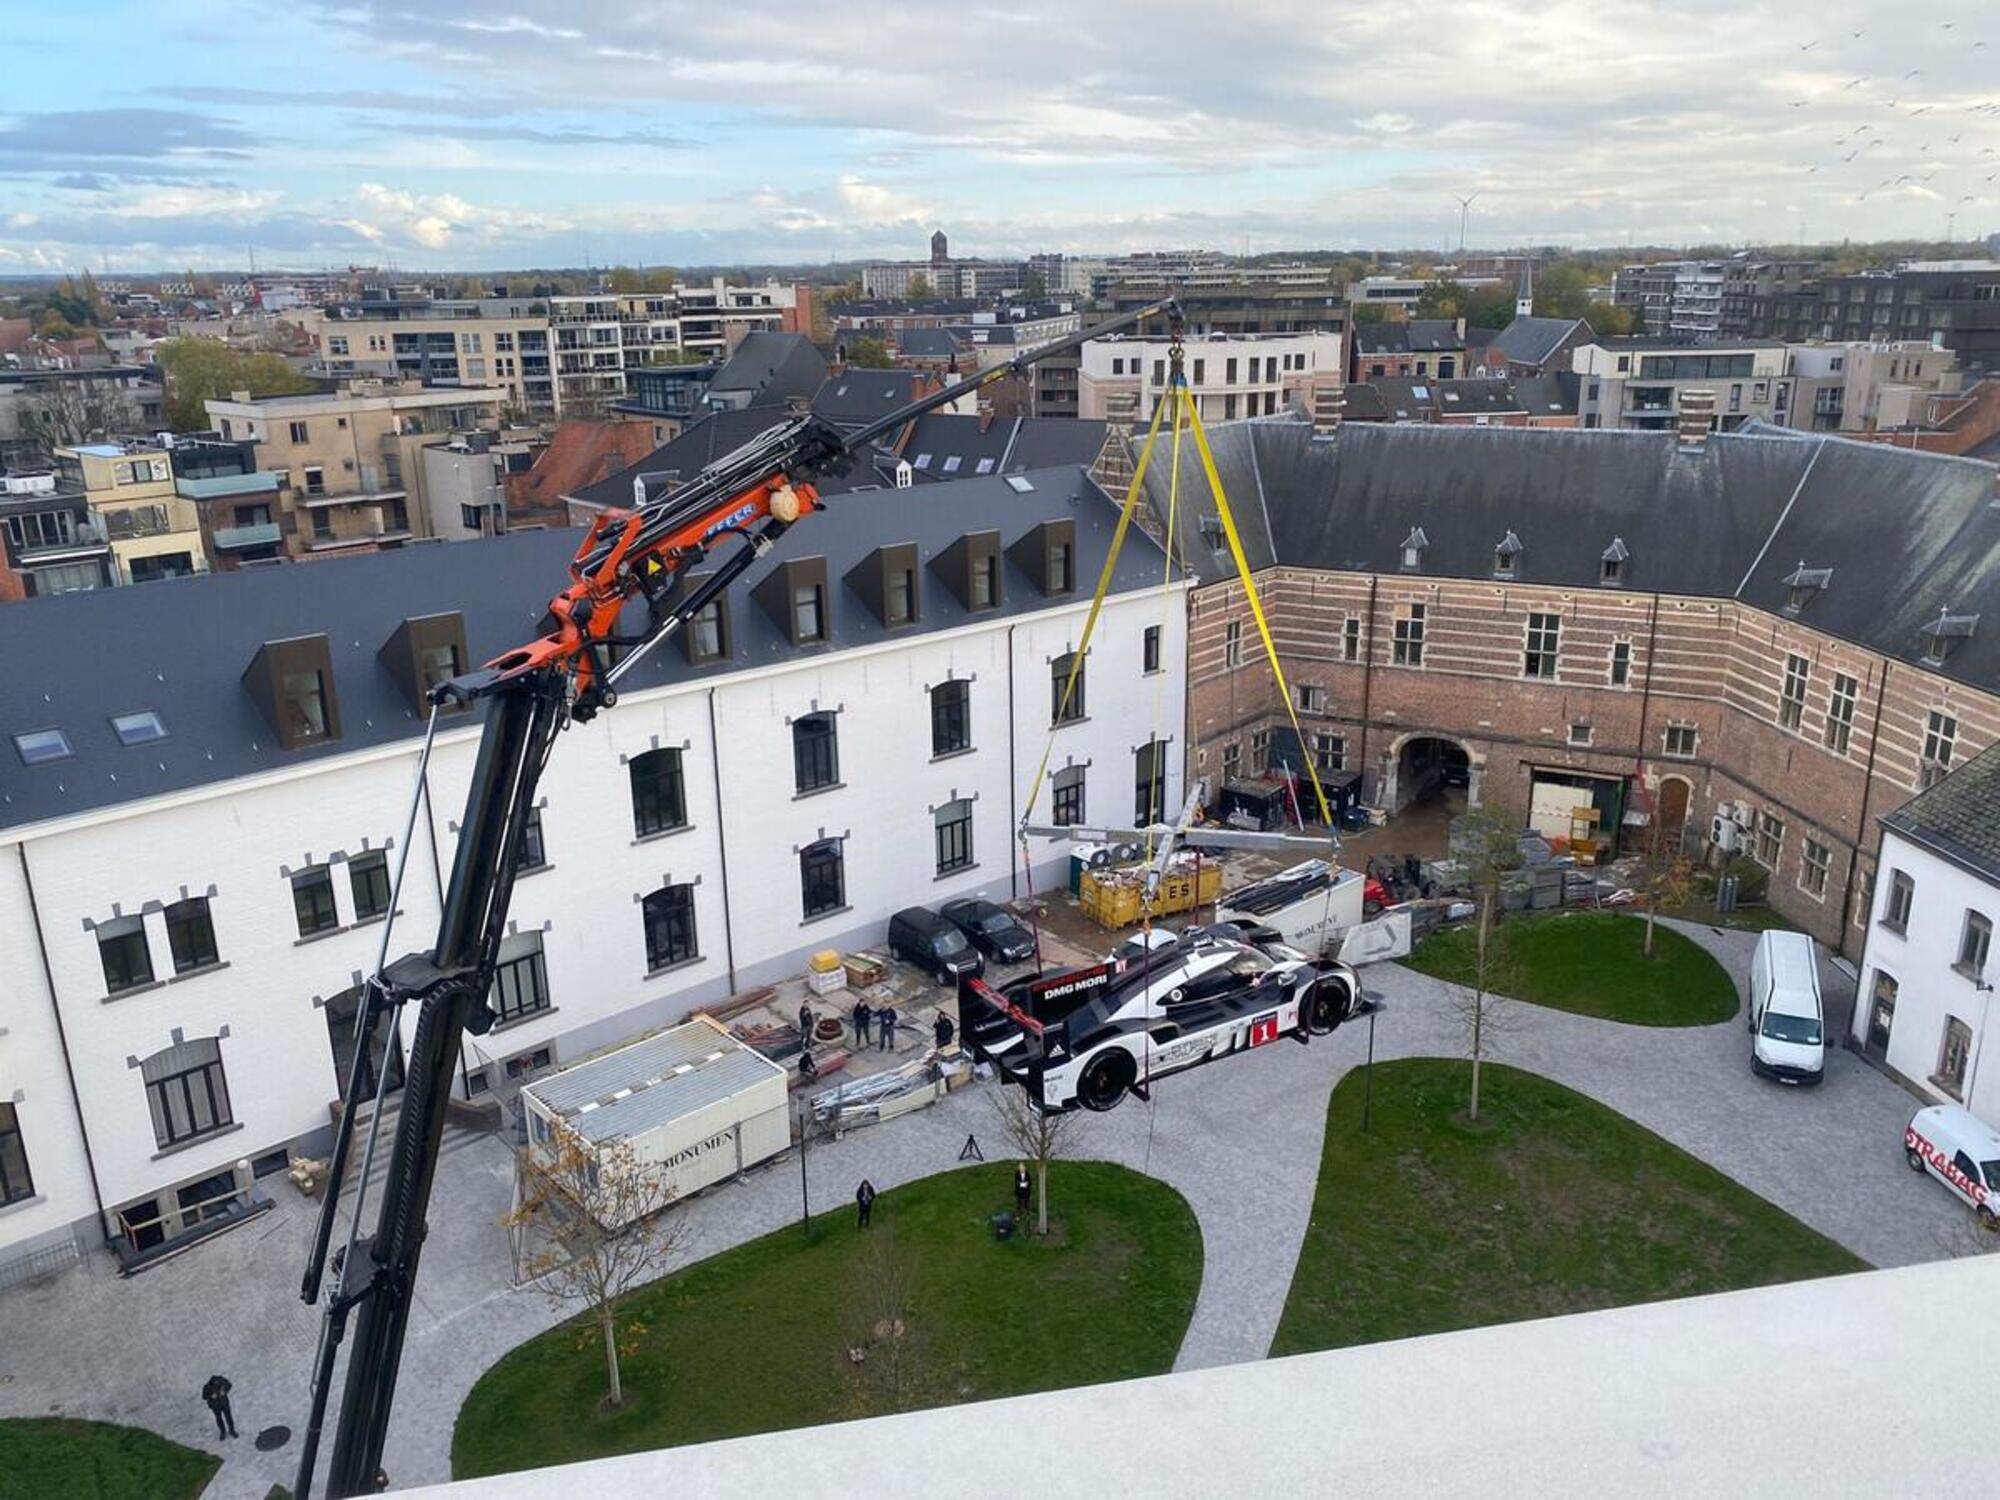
x,y
154,532
1673,298
204,828
479,343
1122,378
1953,303
53,542
1865,388
1418,348
1766,640
1654,383
350,476
238,503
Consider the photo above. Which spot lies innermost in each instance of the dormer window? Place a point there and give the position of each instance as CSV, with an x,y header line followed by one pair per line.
x,y
794,595
1413,549
808,613
1047,554
1944,633
1803,584
291,682
1212,533
970,570
886,581
1611,562
1506,556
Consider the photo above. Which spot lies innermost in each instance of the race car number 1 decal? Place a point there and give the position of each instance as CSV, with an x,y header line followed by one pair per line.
x,y
1264,1029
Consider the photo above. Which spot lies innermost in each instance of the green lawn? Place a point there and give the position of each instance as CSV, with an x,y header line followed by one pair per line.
x,y
1550,1204
758,1338
46,1457
1592,962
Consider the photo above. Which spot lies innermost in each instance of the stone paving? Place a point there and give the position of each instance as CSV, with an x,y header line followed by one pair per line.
x,y
1241,1141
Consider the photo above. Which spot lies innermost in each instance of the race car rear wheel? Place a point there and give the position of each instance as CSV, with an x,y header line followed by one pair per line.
x,y
1106,1079
1326,1006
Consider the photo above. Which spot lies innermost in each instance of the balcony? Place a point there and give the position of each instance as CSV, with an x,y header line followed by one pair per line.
x,y
244,538
324,499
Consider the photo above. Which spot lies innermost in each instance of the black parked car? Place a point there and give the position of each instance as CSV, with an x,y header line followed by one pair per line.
x,y
993,930
927,940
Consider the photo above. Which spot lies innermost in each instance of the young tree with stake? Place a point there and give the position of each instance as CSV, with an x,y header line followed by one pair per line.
x,y
598,1210
1489,846
1036,1136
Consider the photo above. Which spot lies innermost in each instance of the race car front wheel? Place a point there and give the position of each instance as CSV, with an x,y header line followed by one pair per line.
x,y
1914,1157
1105,1080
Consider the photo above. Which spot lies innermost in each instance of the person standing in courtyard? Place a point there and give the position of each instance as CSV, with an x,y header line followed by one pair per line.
x,y
215,1394
886,1035
805,1022
1021,1191
864,1200
941,1030
862,1016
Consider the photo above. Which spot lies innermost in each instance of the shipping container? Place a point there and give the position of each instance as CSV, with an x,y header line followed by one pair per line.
x,y
692,1103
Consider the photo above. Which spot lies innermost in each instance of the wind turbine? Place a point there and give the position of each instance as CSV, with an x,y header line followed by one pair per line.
x,y
1464,208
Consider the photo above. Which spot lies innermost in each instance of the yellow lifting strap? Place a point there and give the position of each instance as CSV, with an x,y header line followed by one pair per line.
x,y
1250,592
1096,608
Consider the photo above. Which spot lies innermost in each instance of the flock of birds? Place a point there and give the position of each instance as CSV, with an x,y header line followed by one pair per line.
x,y
1924,134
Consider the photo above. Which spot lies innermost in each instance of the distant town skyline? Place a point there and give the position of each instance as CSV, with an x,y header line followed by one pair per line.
x,y
457,136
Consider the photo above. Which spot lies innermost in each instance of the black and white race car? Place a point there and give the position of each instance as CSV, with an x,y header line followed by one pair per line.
x,y
1090,1036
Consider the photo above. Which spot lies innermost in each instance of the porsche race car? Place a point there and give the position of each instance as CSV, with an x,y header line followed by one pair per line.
x,y
1089,1037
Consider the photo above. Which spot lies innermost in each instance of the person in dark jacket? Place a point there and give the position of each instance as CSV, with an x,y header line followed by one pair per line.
x,y
862,1016
886,1018
806,1022
1021,1191
864,1200
941,1031
215,1393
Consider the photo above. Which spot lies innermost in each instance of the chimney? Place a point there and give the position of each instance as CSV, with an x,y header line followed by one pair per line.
x,y
1697,417
239,396
1329,404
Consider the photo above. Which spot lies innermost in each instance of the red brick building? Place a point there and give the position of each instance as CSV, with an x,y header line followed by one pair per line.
x,y
1774,627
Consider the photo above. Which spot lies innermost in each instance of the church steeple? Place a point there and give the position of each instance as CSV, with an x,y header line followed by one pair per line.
x,y
1524,299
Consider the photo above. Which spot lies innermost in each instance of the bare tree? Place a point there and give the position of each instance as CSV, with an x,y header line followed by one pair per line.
x,y
1666,875
1038,1136
1489,847
885,1310
64,413
597,1212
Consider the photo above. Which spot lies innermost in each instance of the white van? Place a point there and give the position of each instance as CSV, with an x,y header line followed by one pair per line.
x,y
1962,1151
1787,1030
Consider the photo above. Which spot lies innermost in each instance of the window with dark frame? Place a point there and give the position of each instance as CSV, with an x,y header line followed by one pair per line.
x,y
16,1184
985,582
520,979
1896,905
121,948
1149,801
302,701
822,878
368,876
1232,761
1059,670
1975,941
186,1092
1062,567
1350,639
190,934
1953,1053
1940,740
1680,741
1232,643
1330,752
531,855
1150,650
1792,696
808,613
705,638
1770,840
1621,663
1543,645
815,752
1068,811
670,934
900,598
954,836
951,717
659,793
312,901
437,664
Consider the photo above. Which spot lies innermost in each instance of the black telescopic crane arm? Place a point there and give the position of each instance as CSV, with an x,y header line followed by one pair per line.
x,y
448,985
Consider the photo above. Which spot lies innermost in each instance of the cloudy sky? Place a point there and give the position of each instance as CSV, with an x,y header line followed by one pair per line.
x,y
464,134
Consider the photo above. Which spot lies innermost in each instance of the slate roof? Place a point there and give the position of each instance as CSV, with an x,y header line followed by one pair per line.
x,y
1552,395
1008,445
927,343
856,397
181,646
1411,398
1414,336
1476,397
1959,818
1907,534
579,453
1534,341
772,368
